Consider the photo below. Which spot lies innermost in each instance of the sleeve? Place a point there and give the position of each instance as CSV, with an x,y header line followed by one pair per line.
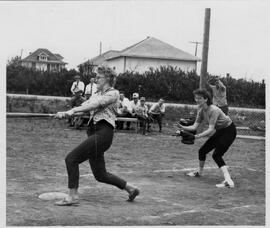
x,y
162,109
199,117
153,107
94,88
222,86
108,98
81,86
212,86
87,90
72,88
213,116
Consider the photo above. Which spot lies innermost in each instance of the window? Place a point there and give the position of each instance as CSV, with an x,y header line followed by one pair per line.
x,y
43,57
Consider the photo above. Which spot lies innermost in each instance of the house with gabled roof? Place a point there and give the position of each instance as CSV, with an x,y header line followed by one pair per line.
x,y
90,65
146,54
44,60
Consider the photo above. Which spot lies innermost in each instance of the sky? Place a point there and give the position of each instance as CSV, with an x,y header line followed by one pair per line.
x,y
238,42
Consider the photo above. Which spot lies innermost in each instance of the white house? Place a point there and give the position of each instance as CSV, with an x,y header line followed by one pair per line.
x,y
148,53
44,60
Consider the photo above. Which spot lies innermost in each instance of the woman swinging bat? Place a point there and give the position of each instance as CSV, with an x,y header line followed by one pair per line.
x,y
100,132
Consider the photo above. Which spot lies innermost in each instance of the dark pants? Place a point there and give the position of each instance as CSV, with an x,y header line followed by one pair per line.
x,y
158,118
76,100
99,140
225,109
144,120
220,141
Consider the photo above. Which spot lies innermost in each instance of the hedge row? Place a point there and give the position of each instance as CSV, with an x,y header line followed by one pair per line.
x,y
173,84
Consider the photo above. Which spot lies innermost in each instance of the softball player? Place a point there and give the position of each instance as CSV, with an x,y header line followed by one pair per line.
x,y
224,134
100,135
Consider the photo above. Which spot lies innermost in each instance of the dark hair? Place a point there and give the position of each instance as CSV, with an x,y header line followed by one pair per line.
x,y
203,93
108,73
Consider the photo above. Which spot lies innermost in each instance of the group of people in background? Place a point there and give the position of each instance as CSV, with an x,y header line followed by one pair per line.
x,y
80,92
137,108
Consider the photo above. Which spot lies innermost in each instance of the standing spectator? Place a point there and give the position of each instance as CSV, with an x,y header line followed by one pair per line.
x,y
90,89
141,113
124,109
157,112
77,90
219,95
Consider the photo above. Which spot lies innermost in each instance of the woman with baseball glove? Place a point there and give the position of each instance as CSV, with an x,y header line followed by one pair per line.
x,y
221,130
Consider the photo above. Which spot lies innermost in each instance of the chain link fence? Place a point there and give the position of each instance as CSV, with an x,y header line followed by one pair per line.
x,y
248,121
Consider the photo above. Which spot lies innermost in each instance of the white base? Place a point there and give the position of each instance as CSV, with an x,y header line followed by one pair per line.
x,y
52,195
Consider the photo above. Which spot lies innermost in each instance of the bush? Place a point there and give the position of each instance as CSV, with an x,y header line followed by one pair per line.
x,y
173,84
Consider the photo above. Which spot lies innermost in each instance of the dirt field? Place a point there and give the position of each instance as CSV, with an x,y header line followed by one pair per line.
x,y
156,163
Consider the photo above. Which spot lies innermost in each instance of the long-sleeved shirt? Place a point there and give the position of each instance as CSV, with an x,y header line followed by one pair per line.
x,y
124,104
106,103
91,89
77,86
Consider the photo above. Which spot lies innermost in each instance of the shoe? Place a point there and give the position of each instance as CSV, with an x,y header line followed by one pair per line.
x,y
193,174
225,183
67,202
133,195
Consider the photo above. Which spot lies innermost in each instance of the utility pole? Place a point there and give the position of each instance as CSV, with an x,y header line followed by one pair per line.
x,y
100,48
205,48
197,43
21,53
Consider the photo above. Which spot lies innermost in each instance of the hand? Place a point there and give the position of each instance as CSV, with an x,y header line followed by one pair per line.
x,y
69,113
179,125
59,115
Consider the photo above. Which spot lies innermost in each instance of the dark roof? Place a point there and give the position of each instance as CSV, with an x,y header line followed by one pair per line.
x,y
52,58
154,48
59,56
100,59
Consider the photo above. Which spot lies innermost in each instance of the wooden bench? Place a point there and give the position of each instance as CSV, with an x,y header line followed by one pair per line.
x,y
132,120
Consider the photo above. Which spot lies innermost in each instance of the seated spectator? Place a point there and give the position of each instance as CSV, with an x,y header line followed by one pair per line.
x,y
77,90
157,112
124,109
141,114
134,103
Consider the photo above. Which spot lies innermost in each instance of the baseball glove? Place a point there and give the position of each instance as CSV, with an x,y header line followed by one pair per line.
x,y
187,137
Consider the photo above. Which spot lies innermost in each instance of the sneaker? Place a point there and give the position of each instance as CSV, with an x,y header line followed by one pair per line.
x,y
225,183
193,174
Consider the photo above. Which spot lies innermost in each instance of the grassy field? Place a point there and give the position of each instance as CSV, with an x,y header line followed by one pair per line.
x,y
156,164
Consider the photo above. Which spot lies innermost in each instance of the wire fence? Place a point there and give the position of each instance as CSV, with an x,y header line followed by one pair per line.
x,y
248,121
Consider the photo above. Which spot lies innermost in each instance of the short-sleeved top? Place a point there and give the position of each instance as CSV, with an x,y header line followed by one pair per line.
x,y
219,96
107,102
213,116
157,108
142,110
